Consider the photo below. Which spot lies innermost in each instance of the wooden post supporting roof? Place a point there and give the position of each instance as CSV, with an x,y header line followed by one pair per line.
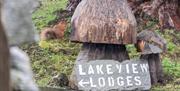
x,y
4,61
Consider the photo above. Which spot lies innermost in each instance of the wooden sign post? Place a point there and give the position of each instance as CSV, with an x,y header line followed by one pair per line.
x,y
104,27
105,75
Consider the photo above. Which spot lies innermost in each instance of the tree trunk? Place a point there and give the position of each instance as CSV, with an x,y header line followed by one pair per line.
x,y
91,52
167,11
155,67
4,61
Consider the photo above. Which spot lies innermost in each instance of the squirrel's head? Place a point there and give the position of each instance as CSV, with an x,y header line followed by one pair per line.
x,y
48,34
61,25
140,45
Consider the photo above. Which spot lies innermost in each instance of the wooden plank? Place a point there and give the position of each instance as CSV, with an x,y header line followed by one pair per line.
x,y
155,68
4,61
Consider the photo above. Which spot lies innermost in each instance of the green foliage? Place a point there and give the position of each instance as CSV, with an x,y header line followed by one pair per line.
x,y
151,24
46,12
51,58
132,51
44,44
171,47
167,87
171,68
68,28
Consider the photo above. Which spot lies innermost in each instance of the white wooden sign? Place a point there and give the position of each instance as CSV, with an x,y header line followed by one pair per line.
x,y
110,74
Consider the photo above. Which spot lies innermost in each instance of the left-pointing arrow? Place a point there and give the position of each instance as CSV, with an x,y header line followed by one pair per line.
x,y
82,83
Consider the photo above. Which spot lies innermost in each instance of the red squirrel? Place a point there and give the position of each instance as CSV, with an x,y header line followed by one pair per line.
x,y
57,32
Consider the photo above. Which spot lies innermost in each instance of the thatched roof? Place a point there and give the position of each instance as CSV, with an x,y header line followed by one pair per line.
x,y
103,21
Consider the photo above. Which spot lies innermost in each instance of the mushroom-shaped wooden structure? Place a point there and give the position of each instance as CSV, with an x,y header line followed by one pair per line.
x,y
151,45
103,21
104,27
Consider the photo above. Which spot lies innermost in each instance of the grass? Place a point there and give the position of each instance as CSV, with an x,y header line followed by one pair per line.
x,y
50,58
46,12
